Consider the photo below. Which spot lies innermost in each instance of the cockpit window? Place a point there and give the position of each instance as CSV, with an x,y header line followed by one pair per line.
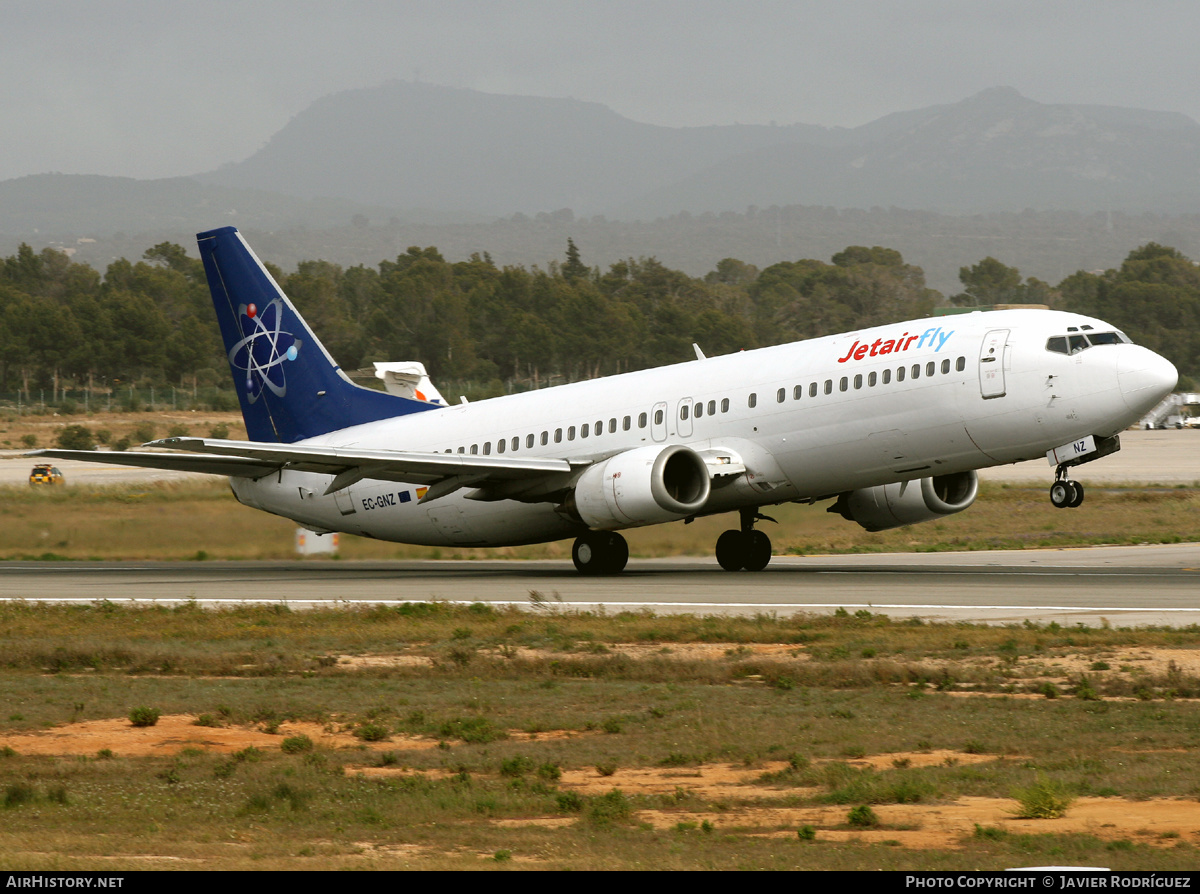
x,y
1073,344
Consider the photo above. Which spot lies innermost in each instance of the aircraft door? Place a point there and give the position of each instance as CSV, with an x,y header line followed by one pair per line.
x,y
684,412
991,363
658,421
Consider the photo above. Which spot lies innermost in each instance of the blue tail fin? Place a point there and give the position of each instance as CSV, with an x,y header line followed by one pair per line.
x,y
289,386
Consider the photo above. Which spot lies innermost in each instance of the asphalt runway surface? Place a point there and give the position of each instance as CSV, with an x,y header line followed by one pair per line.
x,y
1123,586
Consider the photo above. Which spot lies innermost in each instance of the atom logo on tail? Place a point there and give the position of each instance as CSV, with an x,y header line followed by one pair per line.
x,y
263,349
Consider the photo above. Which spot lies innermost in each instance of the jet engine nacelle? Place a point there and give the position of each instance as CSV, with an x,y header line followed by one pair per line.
x,y
892,505
643,486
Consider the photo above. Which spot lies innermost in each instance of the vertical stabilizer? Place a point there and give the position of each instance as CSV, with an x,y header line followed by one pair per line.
x,y
288,385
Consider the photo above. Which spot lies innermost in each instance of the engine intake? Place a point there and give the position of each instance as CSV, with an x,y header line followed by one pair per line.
x,y
643,486
893,505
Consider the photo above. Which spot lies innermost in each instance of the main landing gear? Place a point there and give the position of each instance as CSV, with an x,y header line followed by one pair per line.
x,y
747,549
1065,493
600,552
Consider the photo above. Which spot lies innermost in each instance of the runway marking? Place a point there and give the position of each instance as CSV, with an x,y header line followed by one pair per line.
x,y
549,607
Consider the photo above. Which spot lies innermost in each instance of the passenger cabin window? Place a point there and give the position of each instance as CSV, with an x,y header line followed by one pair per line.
x,y
583,430
712,408
475,448
641,420
900,374
725,405
930,367
960,364
872,378
916,371
612,426
946,366
529,441
752,400
462,449
829,386
500,445
516,442
571,433
887,377
658,417
858,381
626,423
812,390
683,411
843,384
558,436
797,392
781,395
699,409
600,427
545,438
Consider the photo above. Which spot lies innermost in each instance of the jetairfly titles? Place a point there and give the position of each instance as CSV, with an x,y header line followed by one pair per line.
x,y
881,346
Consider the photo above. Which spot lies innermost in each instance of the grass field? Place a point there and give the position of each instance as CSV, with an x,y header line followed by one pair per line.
x,y
431,736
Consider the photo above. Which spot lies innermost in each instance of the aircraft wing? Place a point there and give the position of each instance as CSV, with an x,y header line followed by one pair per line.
x,y
495,477
443,472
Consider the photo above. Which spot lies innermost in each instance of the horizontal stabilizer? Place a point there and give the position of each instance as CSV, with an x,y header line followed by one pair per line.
x,y
237,467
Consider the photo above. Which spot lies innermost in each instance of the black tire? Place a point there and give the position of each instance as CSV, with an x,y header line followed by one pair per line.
x,y
758,551
732,550
617,550
588,554
599,552
1076,495
1061,493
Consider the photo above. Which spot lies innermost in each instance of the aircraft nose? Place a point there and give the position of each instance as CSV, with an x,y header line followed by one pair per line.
x,y
1144,377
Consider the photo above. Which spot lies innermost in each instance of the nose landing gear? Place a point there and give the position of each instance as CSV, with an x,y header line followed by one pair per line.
x,y
747,549
1065,493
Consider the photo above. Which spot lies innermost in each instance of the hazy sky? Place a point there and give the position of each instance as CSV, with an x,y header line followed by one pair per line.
x,y
147,88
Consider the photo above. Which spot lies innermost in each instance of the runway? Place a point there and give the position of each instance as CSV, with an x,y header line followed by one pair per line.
x,y
1123,586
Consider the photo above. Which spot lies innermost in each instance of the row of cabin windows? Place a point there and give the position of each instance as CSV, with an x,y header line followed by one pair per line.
x,y
588,429
584,431
700,408
872,379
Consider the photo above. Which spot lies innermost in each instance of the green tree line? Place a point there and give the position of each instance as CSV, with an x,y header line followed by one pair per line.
x,y
508,327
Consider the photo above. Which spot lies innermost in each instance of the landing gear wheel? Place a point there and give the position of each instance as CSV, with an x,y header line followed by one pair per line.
x,y
732,550
1061,494
600,552
1077,496
758,552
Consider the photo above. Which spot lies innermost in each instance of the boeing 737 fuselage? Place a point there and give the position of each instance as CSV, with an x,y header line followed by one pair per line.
x,y
891,422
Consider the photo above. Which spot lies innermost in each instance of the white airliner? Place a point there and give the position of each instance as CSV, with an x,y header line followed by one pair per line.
x,y
890,422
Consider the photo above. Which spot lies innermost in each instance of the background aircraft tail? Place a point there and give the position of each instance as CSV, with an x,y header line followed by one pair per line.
x,y
289,386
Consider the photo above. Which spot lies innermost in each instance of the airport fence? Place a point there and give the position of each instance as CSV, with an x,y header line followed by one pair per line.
x,y
70,401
